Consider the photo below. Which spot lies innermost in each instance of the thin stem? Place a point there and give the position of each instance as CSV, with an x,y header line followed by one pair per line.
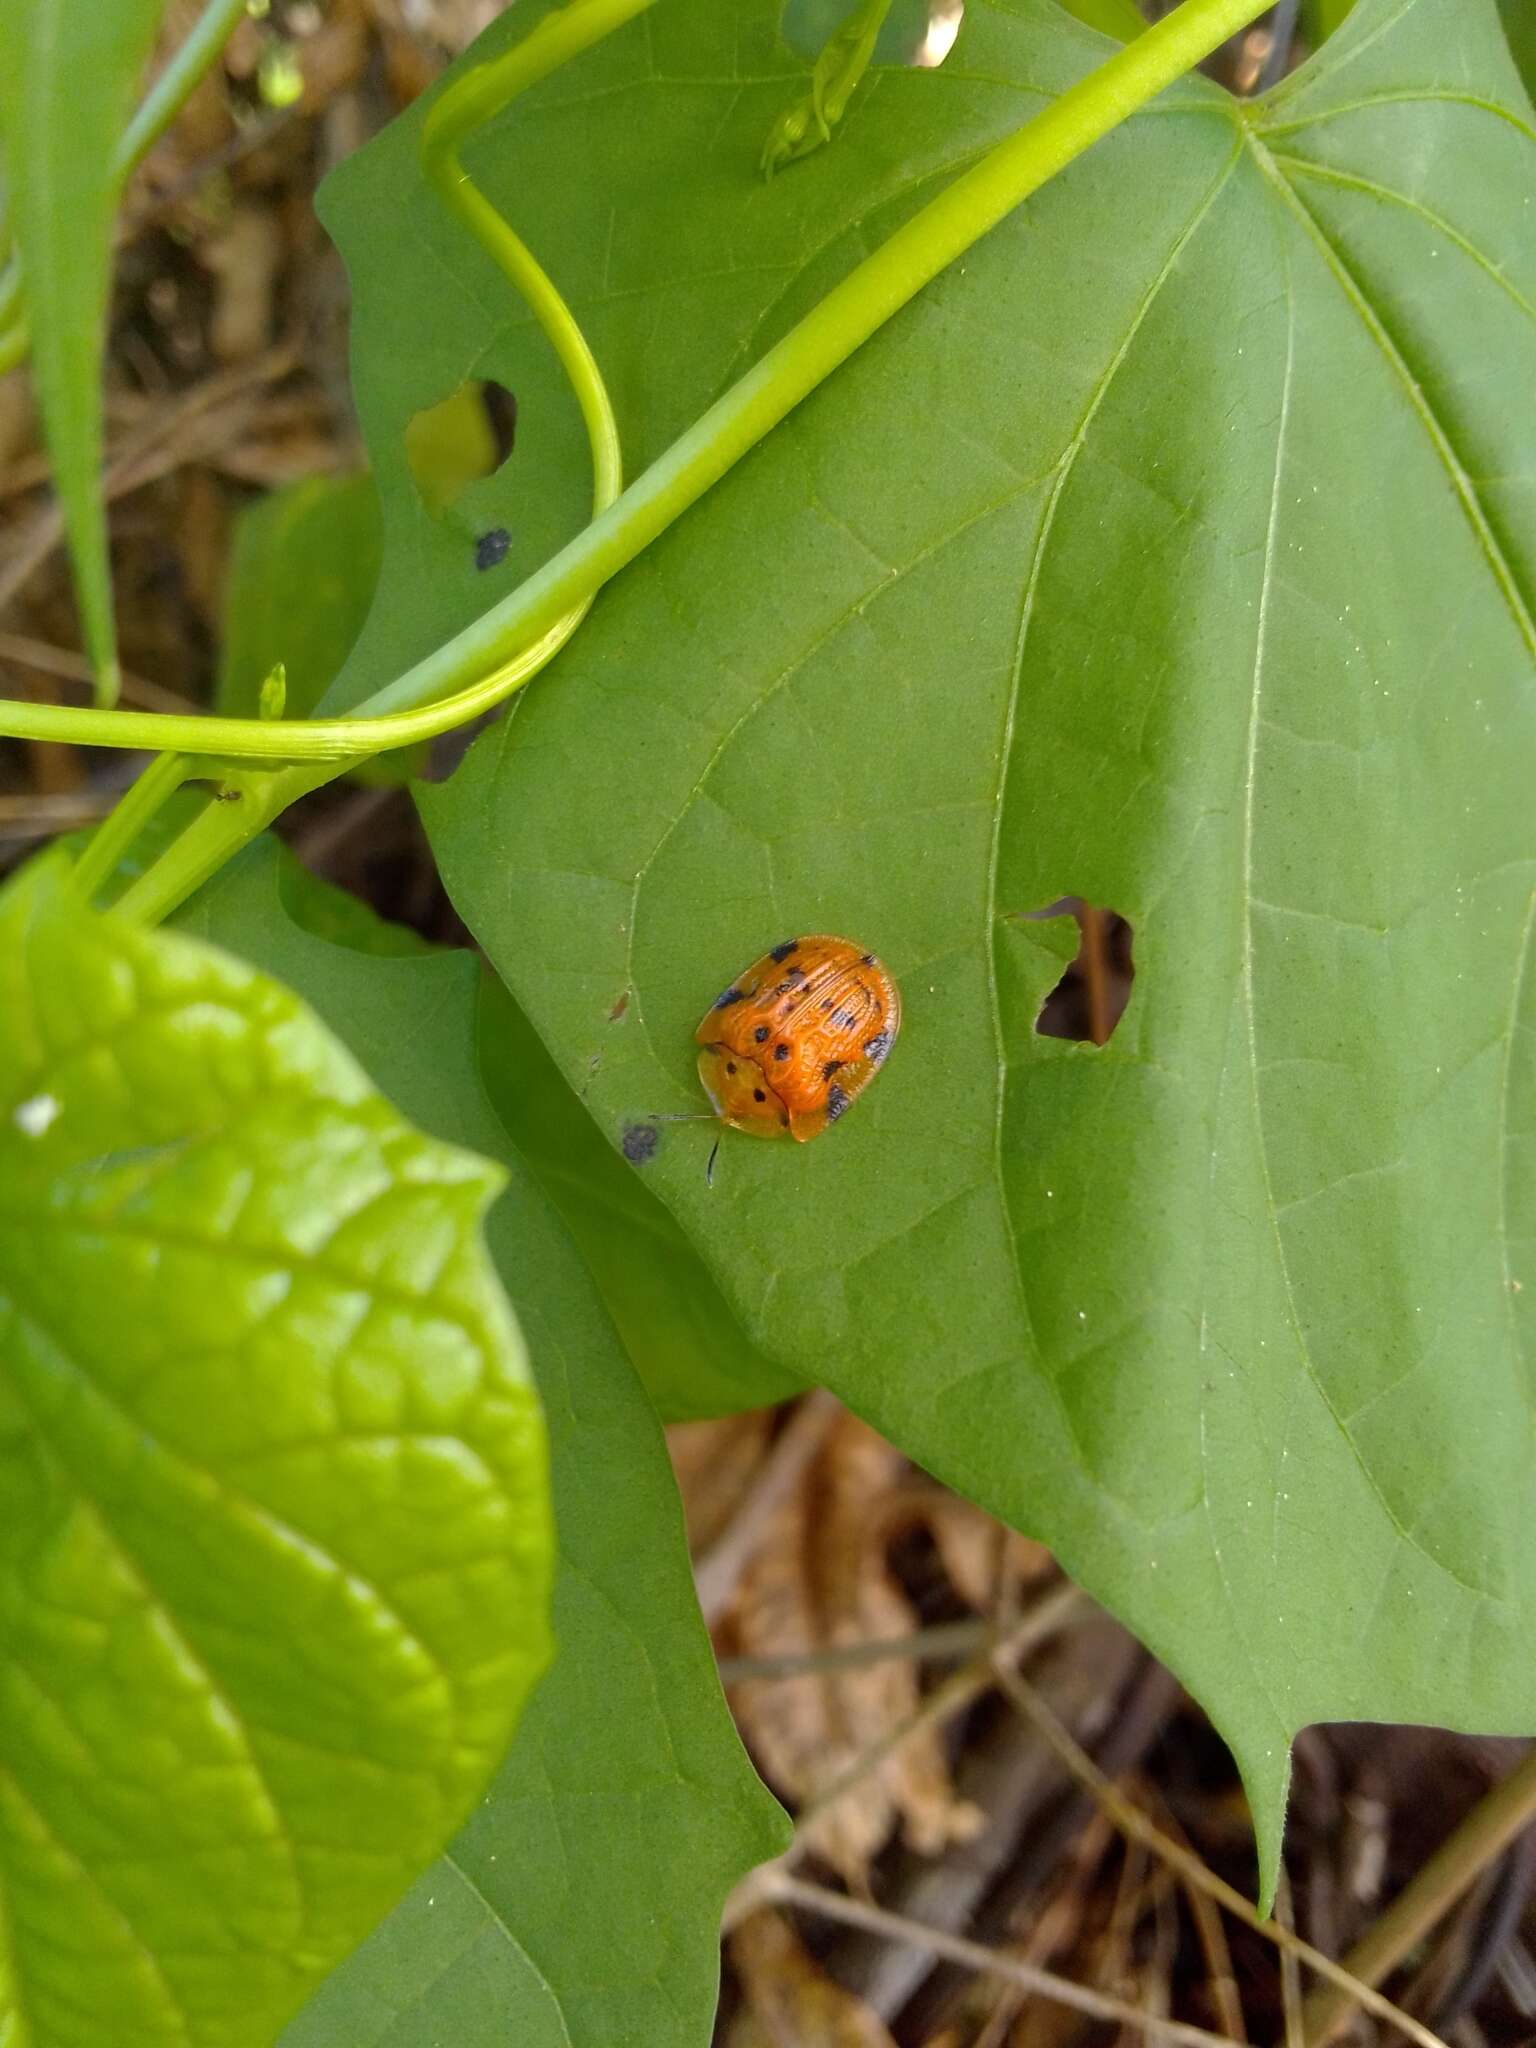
x,y
194,56
113,837
1095,952
1486,1832
815,1898
1136,1825
1043,1620
254,801
490,654
944,1639
718,1573
1290,1969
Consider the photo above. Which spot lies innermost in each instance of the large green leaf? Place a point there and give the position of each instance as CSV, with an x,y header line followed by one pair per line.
x,y
274,1562
1174,550
581,1904
67,77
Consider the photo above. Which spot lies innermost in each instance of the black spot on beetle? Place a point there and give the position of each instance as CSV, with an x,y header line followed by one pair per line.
x,y
761,1034
491,548
794,974
831,1068
732,995
878,1046
758,1095
783,952
730,1066
781,1052
845,1020
837,1102
639,1143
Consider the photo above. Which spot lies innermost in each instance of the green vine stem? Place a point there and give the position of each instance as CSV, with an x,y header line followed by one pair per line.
x,y
482,664
161,104
127,819
170,92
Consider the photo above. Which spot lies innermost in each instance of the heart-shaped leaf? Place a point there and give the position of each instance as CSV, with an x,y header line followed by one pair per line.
x,y
1175,551
274,1559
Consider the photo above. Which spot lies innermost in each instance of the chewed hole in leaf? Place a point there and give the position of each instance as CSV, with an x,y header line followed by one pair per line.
x,y
917,32
460,440
1090,998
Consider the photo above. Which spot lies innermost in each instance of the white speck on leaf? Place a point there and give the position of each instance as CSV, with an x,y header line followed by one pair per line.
x,y
35,1117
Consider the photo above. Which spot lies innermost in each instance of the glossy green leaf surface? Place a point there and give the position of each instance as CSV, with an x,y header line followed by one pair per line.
x,y
275,1558
1174,550
580,1905
67,79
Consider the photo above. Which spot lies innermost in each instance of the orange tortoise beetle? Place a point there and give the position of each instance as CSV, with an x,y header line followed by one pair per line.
x,y
788,1046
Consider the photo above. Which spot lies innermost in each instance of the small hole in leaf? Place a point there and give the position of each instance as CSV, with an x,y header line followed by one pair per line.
x,y
1090,998
461,439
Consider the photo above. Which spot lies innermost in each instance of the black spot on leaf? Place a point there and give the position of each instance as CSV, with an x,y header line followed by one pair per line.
x,y
639,1143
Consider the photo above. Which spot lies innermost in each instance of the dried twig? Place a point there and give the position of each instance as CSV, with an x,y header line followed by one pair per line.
x,y
169,437
70,667
718,1570
813,1898
1290,1974
1220,1977
956,1692
945,1639
1094,953
1132,1822
40,815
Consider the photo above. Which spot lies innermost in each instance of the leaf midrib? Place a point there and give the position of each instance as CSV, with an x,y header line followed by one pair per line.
x,y
1357,299
1066,463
